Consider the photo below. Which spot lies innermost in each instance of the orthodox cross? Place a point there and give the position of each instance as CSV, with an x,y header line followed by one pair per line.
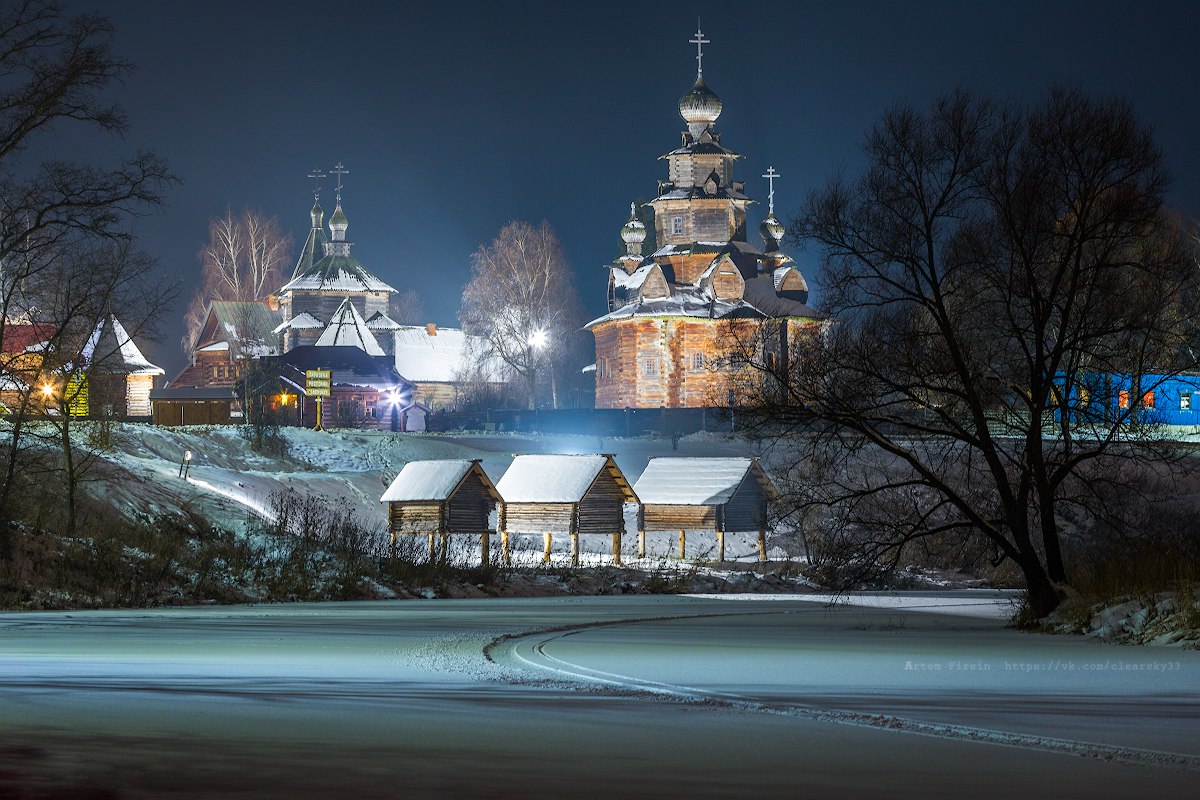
x,y
340,171
771,175
316,175
699,41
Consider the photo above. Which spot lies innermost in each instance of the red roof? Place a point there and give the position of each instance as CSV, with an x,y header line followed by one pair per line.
x,y
18,338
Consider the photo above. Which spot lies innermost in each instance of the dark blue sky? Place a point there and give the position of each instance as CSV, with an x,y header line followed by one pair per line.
x,y
457,117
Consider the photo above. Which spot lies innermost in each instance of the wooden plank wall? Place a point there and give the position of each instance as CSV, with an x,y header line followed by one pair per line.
x,y
468,510
746,510
602,509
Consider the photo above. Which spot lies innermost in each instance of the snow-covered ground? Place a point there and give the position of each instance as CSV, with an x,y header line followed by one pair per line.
x,y
636,696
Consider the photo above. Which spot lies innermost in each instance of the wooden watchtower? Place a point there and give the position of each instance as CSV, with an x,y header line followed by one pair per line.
x,y
717,494
572,494
439,498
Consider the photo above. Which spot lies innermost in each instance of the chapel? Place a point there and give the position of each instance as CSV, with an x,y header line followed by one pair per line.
x,y
665,341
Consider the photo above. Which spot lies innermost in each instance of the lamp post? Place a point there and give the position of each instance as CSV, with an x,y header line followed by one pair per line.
x,y
185,466
536,340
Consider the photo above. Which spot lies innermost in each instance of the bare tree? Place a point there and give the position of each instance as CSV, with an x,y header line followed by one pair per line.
x,y
992,275
243,260
522,302
56,69
407,308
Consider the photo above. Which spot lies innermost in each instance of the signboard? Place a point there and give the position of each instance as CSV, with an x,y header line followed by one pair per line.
x,y
316,382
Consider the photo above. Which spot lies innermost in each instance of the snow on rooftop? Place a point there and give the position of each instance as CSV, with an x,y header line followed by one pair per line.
x,y
301,320
349,329
427,480
549,479
691,481
632,280
683,302
340,281
111,346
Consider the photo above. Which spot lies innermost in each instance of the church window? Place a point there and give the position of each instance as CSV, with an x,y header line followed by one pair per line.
x,y
1148,400
1122,399
677,226
697,360
1185,401
772,361
650,367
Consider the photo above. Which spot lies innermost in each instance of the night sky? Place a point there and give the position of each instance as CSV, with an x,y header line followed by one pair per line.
x,y
454,118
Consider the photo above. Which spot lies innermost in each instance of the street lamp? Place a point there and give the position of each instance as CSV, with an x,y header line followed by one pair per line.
x,y
185,466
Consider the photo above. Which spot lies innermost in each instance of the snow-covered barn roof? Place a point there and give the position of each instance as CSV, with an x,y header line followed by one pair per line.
x,y
697,481
431,354
557,478
434,480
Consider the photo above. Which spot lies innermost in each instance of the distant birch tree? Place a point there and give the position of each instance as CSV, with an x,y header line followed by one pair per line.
x,y
522,303
243,260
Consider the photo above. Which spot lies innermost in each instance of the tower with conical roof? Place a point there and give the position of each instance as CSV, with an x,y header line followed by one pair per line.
x,y
325,275
673,314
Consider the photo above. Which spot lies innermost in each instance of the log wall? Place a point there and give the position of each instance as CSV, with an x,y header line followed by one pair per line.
x,y
662,517
650,362
538,517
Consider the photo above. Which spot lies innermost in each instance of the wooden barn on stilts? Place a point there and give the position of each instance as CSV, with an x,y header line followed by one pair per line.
x,y
711,494
440,498
573,494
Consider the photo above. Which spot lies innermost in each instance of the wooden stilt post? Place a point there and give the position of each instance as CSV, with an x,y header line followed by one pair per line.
x,y
546,549
641,544
445,546
762,545
432,547
617,548
682,544
505,553
574,549
485,546
393,549
720,545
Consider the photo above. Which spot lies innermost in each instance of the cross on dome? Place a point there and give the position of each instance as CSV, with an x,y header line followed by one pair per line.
x,y
340,170
699,41
771,175
316,175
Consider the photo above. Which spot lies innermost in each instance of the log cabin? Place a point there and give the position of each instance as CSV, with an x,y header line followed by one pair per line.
x,y
440,498
573,494
711,494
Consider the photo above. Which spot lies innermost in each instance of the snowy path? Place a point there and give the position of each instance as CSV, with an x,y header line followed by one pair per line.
x,y
392,699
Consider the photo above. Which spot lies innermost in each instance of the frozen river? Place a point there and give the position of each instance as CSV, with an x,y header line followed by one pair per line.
x,y
929,696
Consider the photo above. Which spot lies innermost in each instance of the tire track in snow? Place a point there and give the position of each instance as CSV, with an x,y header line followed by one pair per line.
x,y
529,649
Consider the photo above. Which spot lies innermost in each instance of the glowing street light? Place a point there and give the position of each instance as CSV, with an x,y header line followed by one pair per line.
x,y
185,466
538,339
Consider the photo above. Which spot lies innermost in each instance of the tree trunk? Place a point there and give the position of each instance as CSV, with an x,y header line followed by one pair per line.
x,y
1043,596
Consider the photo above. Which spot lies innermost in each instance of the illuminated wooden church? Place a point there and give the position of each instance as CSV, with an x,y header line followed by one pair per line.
x,y
665,339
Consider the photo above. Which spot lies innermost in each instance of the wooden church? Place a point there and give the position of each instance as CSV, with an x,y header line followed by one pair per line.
x,y
665,339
